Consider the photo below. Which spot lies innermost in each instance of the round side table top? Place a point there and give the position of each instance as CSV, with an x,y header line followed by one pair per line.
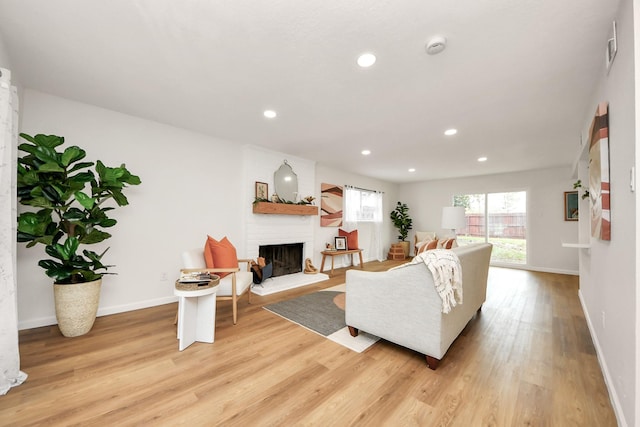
x,y
197,288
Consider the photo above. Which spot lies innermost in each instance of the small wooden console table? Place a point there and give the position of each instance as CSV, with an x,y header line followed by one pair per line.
x,y
332,254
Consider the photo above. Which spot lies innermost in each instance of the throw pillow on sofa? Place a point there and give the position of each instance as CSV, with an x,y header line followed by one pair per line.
x,y
427,246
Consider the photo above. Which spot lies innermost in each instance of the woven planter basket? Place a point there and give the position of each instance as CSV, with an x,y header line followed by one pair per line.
x,y
76,307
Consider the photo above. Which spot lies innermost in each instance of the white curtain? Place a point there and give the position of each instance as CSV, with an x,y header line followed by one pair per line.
x,y
376,239
352,205
10,374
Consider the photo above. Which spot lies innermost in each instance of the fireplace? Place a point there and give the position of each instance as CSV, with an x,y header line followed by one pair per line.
x,y
286,258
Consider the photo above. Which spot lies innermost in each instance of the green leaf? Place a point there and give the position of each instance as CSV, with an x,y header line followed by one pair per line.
x,y
107,222
46,154
71,246
51,194
81,165
48,141
120,198
28,137
38,202
86,201
82,177
50,167
32,224
72,154
73,214
95,236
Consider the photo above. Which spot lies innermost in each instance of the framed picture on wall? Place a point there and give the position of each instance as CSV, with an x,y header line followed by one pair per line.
x,y
571,207
262,190
341,243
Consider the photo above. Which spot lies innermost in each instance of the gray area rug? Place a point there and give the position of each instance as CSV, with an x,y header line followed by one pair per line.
x,y
316,311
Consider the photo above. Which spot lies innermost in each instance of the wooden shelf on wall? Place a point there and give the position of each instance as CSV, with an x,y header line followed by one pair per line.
x,y
284,209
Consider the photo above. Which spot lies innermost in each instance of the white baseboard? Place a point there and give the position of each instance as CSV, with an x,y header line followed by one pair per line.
x,y
540,269
608,380
102,311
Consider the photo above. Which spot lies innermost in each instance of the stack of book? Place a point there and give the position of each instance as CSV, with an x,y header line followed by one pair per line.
x,y
197,277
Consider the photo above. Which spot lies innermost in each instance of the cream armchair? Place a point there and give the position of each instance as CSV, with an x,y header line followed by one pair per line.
x,y
232,286
403,306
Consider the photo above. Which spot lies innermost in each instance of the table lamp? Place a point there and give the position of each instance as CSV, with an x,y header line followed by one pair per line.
x,y
453,217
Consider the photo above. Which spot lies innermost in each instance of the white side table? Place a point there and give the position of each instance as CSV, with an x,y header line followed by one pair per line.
x,y
196,312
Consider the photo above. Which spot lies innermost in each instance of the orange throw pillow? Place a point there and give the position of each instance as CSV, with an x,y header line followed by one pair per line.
x,y
220,254
352,238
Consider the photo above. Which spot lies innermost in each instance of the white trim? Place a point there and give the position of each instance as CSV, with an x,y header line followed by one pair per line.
x,y
608,380
530,268
104,311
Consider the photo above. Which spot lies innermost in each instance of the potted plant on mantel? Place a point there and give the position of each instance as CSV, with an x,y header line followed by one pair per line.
x,y
403,222
66,217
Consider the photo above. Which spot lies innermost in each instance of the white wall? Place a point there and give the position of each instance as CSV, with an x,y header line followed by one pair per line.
x,y
191,187
608,284
545,204
325,174
4,55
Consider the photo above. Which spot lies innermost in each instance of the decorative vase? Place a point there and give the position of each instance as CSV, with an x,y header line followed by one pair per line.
x,y
76,307
405,248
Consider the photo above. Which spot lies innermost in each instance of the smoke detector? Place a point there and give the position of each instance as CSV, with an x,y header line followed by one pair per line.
x,y
436,45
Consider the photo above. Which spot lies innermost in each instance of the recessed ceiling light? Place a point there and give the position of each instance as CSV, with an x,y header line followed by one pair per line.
x,y
482,159
412,169
436,45
450,132
366,60
270,114
366,152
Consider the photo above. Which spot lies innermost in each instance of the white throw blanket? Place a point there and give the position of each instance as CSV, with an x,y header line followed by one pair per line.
x,y
445,267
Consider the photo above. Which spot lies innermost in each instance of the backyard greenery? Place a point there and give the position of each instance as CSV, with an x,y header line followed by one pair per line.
x,y
504,249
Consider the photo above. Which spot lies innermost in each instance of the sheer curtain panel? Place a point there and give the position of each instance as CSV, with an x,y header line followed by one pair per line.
x,y
10,374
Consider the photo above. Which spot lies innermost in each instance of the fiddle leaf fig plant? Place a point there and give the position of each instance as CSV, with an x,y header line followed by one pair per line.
x,y
401,220
70,206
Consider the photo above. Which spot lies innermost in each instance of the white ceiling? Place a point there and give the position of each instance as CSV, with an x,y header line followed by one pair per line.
x,y
516,78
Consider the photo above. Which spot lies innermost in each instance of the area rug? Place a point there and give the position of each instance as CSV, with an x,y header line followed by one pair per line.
x,y
323,313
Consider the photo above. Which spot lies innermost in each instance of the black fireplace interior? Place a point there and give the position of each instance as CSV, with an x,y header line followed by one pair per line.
x,y
286,258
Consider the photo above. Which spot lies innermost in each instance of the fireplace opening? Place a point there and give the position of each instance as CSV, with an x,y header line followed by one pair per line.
x,y
286,258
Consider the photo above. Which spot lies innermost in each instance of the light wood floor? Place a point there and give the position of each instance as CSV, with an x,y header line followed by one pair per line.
x,y
527,359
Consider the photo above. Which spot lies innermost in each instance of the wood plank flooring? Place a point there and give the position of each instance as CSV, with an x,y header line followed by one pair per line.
x,y
526,359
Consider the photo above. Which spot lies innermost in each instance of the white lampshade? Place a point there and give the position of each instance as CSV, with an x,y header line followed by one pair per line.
x,y
453,217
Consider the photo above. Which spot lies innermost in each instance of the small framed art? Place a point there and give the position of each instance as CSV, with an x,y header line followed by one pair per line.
x,y
571,207
262,190
341,243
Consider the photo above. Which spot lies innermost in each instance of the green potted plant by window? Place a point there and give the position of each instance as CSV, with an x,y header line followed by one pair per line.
x,y
403,222
66,216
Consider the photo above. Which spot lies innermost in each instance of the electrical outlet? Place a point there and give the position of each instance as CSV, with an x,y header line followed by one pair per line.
x,y
164,276
603,323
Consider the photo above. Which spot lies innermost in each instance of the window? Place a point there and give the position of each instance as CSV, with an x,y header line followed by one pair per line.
x,y
363,211
497,218
363,205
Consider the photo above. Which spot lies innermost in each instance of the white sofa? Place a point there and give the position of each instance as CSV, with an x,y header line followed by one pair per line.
x,y
402,305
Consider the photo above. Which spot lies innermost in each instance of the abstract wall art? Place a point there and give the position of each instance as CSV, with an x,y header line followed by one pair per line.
x,y
599,189
331,205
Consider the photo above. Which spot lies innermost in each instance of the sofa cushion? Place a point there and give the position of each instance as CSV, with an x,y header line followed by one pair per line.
x,y
352,238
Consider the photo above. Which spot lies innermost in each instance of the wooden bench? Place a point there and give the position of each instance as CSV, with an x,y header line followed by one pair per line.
x,y
332,254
